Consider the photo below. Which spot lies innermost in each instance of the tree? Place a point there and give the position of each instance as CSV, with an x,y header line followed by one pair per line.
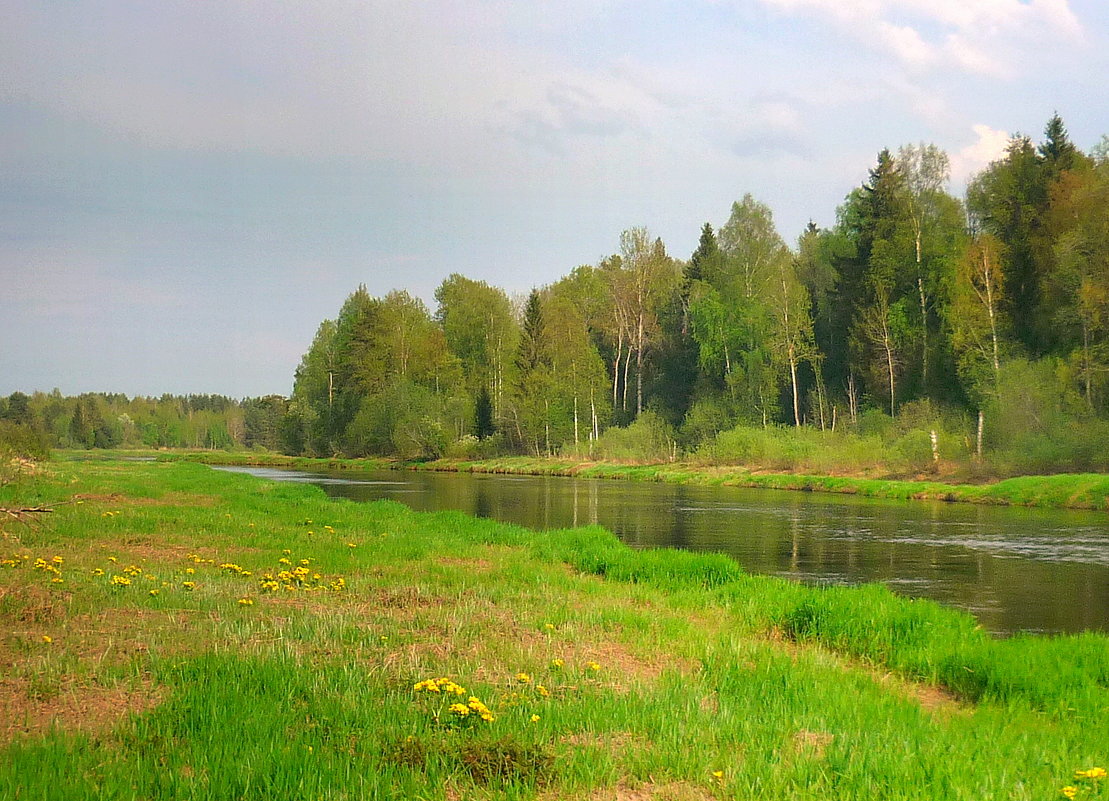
x,y
483,414
792,333
480,331
977,309
925,170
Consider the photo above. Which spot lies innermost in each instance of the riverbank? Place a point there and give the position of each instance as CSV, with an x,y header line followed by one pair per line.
x,y
171,632
1063,491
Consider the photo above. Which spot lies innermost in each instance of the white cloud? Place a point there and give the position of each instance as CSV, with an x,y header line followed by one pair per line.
x,y
989,145
985,37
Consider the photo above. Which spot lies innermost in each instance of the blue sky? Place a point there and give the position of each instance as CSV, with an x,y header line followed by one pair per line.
x,y
188,189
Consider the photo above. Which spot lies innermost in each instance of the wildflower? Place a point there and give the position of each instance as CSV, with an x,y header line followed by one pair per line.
x,y
460,709
549,626
1092,773
534,718
284,561
557,663
287,551
154,592
190,570
120,581
246,602
57,560
593,666
523,678
543,691
351,545
189,585
57,580
46,638
112,559
1070,791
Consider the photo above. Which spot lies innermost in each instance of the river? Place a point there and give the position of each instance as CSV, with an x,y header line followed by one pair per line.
x,y
1015,569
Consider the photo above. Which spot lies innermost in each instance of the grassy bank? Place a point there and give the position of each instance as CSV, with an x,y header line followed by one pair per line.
x,y
1063,491
172,632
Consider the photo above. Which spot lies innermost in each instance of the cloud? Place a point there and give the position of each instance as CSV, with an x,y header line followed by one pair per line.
x,y
989,145
982,37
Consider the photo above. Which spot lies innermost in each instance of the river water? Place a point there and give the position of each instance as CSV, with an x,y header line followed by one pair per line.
x,y
1015,569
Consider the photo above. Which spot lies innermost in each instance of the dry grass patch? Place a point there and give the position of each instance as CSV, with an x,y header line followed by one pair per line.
x,y
75,707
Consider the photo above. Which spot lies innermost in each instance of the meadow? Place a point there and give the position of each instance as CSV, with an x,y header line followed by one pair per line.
x,y
174,632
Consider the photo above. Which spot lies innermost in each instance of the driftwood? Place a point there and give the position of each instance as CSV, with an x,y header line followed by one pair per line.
x,y
24,514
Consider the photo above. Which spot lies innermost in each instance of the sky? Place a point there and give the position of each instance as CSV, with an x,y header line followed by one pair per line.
x,y
188,189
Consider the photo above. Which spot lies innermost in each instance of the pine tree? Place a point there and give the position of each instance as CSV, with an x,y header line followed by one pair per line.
x,y
483,415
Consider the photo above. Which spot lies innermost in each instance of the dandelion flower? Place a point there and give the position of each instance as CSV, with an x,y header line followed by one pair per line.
x,y
246,602
1070,791
594,666
534,718
154,592
557,663
46,638
189,585
523,678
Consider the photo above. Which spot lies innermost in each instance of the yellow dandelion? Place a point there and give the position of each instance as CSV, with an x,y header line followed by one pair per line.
x,y
523,678
1070,791
549,626
593,666
189,585
557,663
154,592
534,718
46,638
246,602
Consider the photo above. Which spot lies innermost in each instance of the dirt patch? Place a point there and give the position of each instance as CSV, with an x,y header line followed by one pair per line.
x,y
30,604
648,791
470,565
88,709
811,744
169,499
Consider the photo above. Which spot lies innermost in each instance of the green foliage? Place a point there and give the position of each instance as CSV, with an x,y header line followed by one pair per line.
x,y
649,439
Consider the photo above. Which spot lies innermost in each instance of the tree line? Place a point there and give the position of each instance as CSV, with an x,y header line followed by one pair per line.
x,y
914,301
32,424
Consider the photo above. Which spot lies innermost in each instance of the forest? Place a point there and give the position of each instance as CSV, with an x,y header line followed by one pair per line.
x,y
920,333
978,325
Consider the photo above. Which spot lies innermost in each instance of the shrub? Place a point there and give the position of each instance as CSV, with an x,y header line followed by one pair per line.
x,y
648,439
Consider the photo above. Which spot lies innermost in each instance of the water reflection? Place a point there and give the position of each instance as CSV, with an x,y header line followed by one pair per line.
x,y
1015,569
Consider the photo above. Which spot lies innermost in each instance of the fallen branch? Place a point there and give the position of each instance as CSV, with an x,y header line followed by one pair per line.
x,y
25,514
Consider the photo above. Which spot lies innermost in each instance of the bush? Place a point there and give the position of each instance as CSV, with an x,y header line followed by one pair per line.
x,y
648,439
21,441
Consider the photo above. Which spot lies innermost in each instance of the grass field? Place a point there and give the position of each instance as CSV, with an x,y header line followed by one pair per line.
x,y
172,632
1062,491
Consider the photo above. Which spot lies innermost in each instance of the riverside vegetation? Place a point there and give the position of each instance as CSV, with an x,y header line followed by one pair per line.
x,y
174,632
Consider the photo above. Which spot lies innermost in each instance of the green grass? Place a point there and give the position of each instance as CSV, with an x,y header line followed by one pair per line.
x,y
664,674
1062,491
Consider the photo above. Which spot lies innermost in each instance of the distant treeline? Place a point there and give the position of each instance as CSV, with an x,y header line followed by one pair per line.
x,y
913,314
31,424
